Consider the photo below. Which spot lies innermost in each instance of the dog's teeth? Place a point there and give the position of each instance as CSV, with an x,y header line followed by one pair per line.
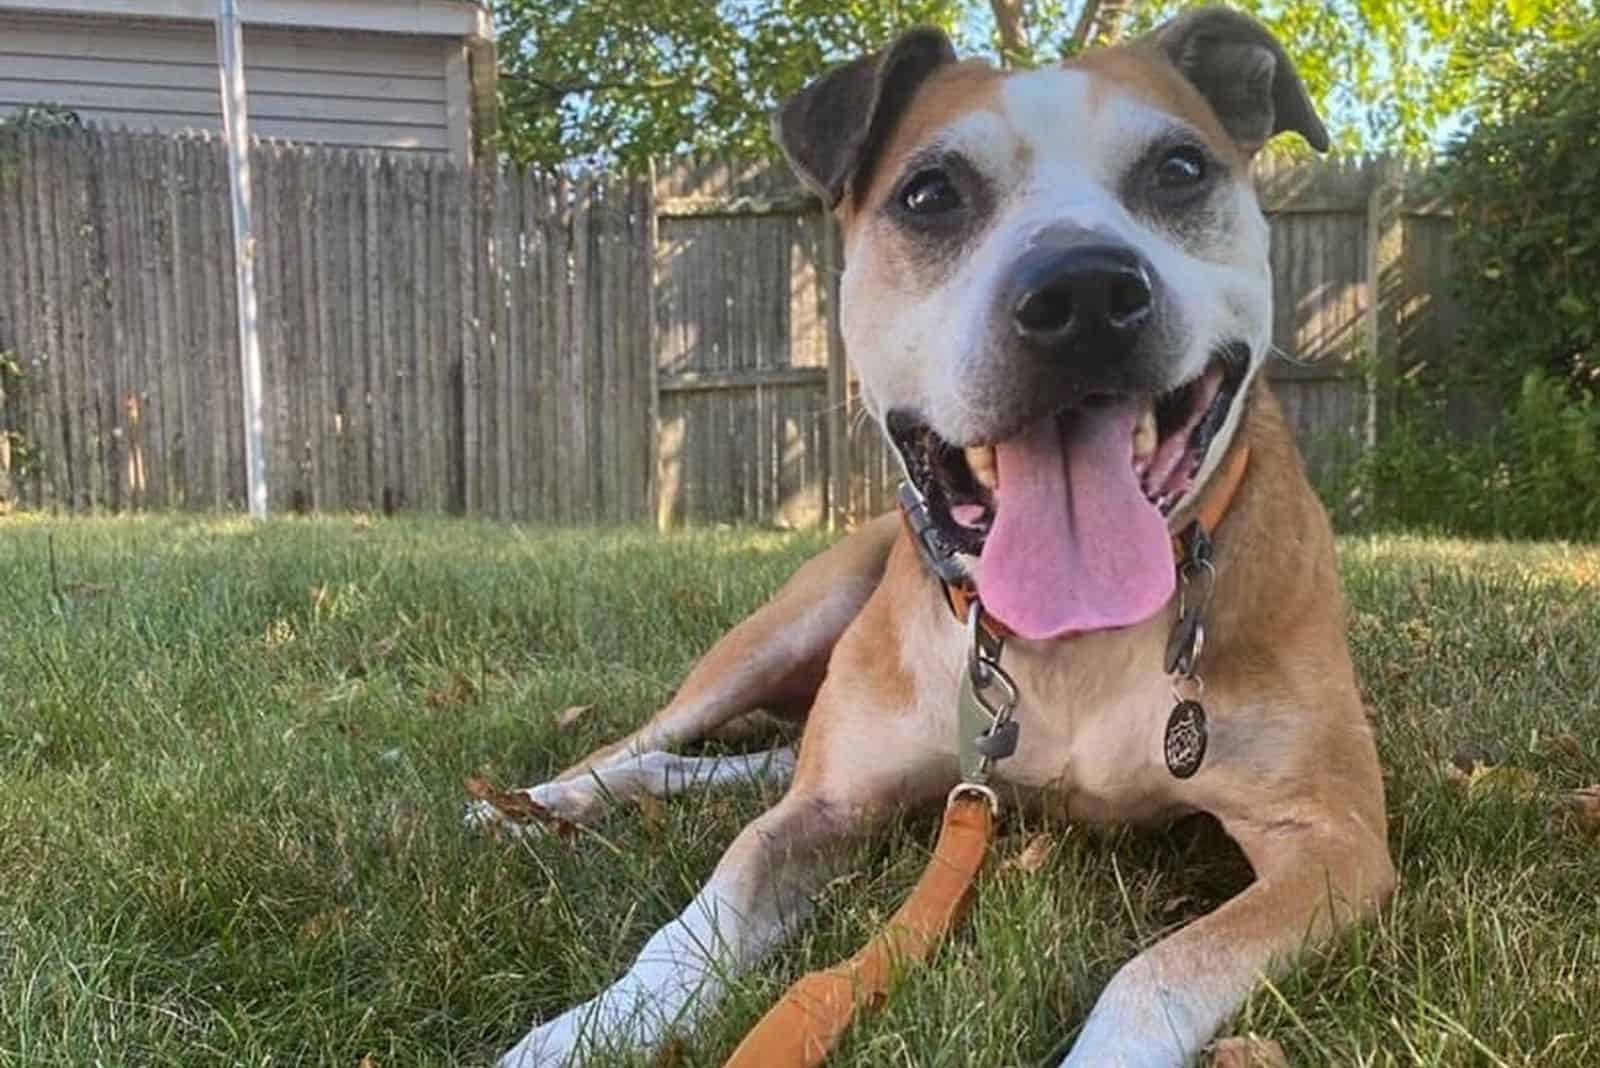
x,y
1144,435
981,459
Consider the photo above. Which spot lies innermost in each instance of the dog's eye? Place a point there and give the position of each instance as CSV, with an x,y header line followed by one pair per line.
x,y
929,192
1183,167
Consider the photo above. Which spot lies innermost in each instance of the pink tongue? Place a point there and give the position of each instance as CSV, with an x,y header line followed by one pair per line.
x,y
1075,546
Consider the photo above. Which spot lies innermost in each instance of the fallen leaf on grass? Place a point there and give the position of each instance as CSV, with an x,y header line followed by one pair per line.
x,y
650,813
520,808
459,690
325,923
1471,758
1562,745
1249,1051
367,1062
1583,809
1487,779
673,1053
568,716
1035,855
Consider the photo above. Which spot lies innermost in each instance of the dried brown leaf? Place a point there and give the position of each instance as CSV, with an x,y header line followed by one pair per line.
x,y
324,923
458,690
572,714
1034,855
1487,779
1562,745
518,807
367,1062
1248,1051
650,813
674,1053
1583,809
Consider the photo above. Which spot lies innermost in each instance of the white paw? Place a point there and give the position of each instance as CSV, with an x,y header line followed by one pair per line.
x,y
550,806
582,1032
552,1045
1137,1023
676,976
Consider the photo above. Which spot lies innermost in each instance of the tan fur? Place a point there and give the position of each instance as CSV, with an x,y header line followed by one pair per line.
x,y
950,92
1136,68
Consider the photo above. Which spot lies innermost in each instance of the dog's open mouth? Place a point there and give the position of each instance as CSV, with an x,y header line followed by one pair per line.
x,y
1068,517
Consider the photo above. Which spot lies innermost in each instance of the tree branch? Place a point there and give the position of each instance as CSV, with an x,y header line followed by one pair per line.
x,y
1086,17
1108,26
1008,17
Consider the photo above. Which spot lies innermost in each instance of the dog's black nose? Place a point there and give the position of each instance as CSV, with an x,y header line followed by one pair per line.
x,y
1092,295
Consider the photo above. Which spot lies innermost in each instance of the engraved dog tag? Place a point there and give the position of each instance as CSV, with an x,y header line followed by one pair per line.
x,y
1185,741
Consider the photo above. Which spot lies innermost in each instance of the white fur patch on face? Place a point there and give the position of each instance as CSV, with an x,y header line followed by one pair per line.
x,y
1054,150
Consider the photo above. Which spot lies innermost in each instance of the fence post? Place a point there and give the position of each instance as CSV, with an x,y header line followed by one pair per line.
x,y
236,123
652,347
838,421
1385,294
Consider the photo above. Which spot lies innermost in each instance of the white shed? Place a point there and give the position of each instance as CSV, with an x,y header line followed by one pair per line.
x,y
406,74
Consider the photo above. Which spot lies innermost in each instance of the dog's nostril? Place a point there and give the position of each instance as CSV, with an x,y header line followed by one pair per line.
x,y
1129,301
1046,311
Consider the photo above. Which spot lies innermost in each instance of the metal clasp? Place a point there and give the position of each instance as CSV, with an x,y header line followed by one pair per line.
x,y
985,703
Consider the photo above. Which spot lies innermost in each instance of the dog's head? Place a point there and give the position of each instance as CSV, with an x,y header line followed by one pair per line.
x,y
1056,290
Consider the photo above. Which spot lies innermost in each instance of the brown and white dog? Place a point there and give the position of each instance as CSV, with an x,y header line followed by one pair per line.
x,y
1057,297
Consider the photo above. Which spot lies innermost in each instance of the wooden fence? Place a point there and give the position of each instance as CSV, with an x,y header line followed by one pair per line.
x,y
532,347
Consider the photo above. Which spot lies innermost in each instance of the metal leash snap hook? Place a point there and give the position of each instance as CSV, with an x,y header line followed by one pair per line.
x,y
986,699
1189,633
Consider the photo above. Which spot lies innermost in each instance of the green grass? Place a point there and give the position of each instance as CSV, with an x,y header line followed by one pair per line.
x,y
230,834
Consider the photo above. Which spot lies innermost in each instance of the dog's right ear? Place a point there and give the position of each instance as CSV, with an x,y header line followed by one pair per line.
x,y
831,129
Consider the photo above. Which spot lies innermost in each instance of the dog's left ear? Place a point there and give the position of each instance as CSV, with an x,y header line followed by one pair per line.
x,y
831,129
1243,72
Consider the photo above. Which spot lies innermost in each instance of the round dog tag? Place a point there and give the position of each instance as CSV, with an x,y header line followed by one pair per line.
x,y
1185,741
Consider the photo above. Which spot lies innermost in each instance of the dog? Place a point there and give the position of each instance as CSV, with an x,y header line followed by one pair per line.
x,y
1057,298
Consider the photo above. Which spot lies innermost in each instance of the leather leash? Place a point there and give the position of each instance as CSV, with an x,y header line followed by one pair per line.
x,y
814,1013
801,1029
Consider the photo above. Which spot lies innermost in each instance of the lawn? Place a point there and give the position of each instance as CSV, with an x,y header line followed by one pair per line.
x,y
230,790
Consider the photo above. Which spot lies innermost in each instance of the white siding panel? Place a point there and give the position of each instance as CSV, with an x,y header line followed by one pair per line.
x,y
204,104
181,42
346,88
43,70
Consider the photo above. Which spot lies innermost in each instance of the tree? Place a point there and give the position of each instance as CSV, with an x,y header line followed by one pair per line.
x,y
630,79
624,80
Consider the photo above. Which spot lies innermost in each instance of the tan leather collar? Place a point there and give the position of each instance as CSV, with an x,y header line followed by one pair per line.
x,y
960,591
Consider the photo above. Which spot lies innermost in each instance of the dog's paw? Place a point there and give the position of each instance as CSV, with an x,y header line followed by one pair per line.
x,y
553,1045
1137,1023
600,1025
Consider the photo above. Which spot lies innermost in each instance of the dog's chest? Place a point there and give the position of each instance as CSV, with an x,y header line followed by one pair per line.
x,y
1093,717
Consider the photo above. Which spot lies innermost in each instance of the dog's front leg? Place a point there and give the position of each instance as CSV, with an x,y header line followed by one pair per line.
x,y
1316,872
865,755
757,893
775,659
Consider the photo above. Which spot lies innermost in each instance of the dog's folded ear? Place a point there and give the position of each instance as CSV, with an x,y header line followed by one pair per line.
x,y
831,129
1243,72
